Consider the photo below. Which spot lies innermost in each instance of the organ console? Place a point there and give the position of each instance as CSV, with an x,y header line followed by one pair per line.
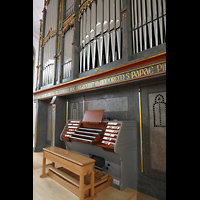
x,y
113,144
102,134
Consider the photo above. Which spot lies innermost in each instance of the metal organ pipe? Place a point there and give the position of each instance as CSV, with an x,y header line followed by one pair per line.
x,y
68,52
93,33
112,14
136,26
93,49
100,48
93,21
106,16
144,23
100,28
83,40
112,34
81,56
105,30
49,46
99,11
155,21
139,25
81,44
117,13
84,56
68,39
164,16
106,44
148,23
160,20
118,30
112,26
87,34
88,56
87,37
133,25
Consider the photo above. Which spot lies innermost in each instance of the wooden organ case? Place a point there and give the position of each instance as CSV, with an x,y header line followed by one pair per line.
x,y
113,144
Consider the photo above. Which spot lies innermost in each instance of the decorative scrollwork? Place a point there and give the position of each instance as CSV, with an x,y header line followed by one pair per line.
x,y
46,3
83,7
51,33
69,21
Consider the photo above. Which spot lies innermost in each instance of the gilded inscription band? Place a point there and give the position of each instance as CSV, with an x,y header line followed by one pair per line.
x,y
133,74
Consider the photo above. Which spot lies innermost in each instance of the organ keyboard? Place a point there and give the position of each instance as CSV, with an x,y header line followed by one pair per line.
x,y
103,134
82,132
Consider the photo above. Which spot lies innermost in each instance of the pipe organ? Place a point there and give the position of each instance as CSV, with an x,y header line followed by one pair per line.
x,y
100,33
113,144
148,24
50,44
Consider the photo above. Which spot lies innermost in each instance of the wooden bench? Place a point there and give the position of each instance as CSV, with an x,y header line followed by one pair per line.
x,y
75,163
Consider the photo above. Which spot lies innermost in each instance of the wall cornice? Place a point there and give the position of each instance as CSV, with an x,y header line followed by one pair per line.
x,y
151,66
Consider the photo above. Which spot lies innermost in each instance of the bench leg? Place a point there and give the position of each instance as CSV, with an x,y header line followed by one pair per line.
x,y
81,195
43,168
92,183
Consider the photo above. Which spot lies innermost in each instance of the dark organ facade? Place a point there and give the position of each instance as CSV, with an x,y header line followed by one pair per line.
x,y
106,55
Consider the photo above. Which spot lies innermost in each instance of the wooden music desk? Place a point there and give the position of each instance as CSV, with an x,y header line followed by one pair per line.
x,y
73,162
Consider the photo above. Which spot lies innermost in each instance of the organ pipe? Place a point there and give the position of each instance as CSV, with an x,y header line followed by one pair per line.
x,y
148,23
100,33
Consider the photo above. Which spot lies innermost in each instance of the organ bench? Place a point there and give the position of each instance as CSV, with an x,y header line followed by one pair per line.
x,y
72,165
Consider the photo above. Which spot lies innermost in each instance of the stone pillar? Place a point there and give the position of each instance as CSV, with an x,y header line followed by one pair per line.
x,y
41,129
60,120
